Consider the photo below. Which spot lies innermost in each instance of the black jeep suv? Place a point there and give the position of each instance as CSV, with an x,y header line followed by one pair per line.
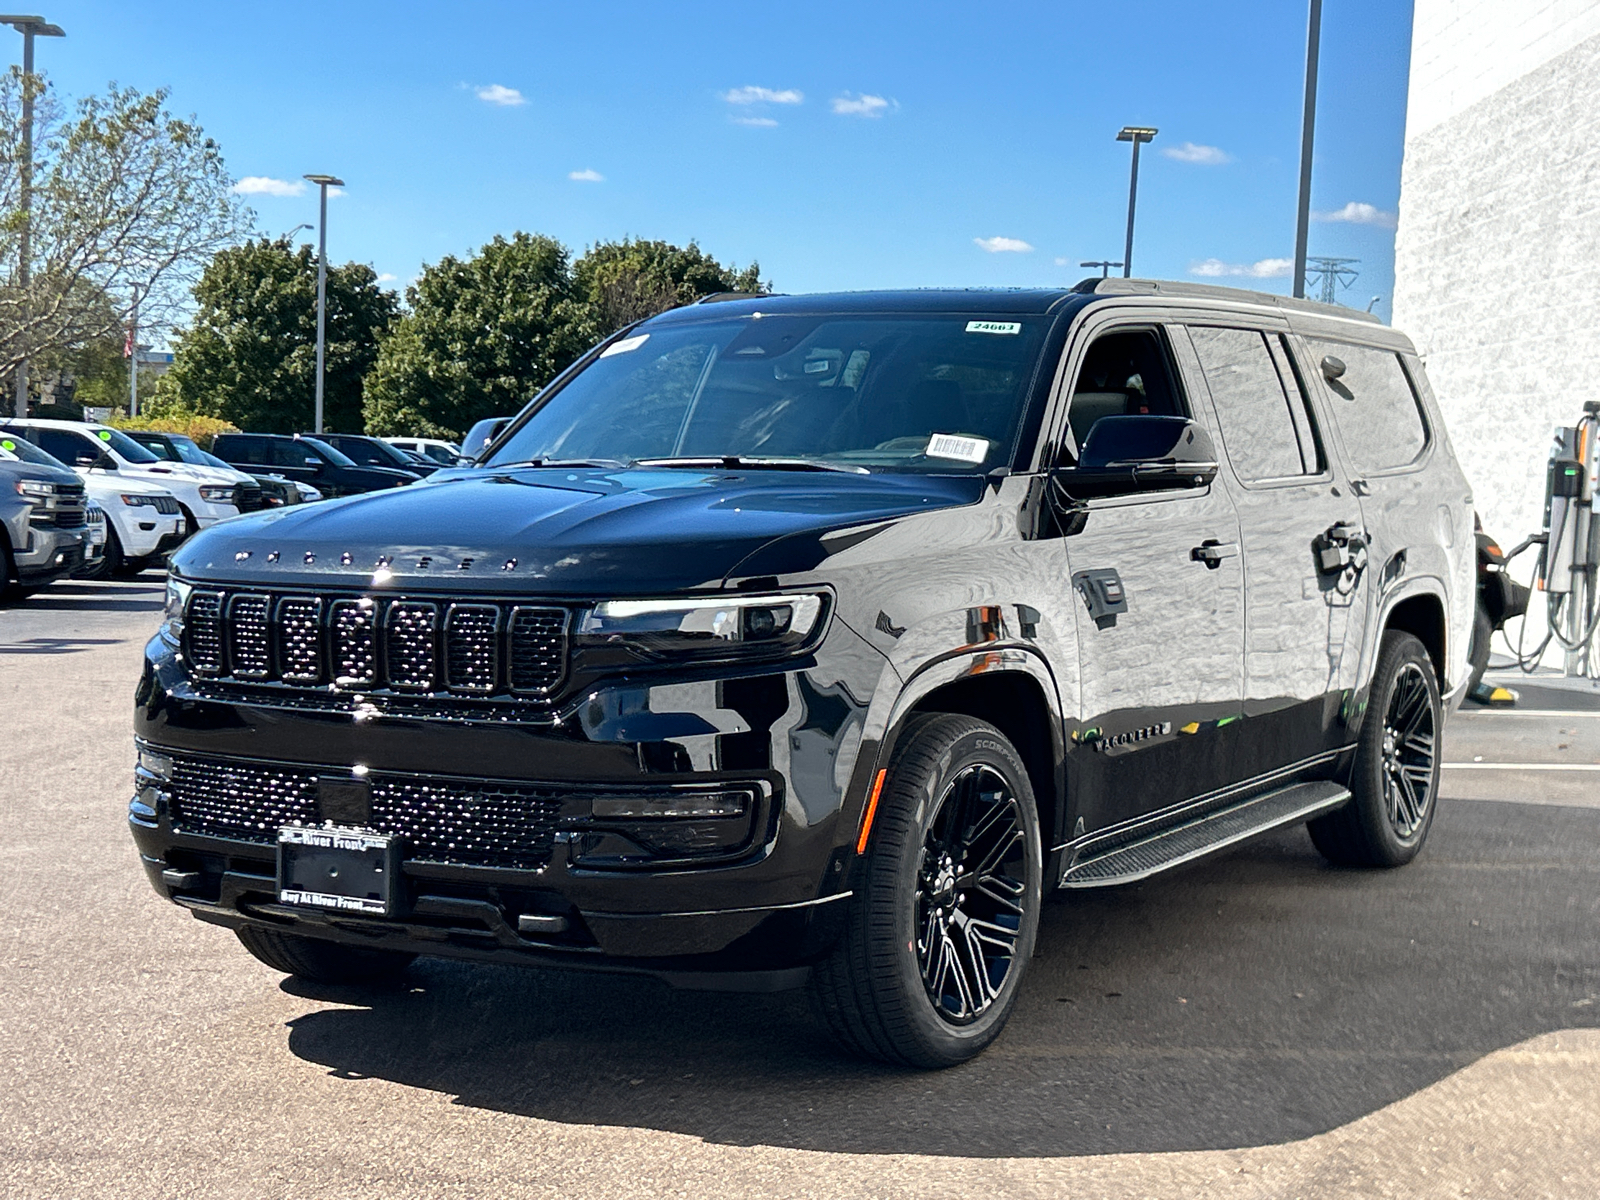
x,y
306,460
811,640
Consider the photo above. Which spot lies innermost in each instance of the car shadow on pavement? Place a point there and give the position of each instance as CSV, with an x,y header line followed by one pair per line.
x,y
1258,998
54,645
146,595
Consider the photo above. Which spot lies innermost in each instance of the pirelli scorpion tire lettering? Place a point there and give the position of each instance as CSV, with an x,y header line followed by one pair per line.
x,y
943,920
322,961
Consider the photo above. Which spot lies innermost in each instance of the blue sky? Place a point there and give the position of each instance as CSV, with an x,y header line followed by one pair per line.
x,y
843,145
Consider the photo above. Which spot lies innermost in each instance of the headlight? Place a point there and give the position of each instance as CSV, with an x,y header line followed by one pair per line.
x,y
216,493
724,627
172,618
136,501
29,487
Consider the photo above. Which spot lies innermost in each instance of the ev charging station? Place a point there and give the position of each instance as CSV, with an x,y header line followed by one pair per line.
x,y
1570,550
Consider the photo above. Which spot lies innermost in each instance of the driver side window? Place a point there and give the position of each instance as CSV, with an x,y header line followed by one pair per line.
x,y
1125,373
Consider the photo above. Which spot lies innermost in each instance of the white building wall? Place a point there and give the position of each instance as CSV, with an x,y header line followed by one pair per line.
x,y
1497,255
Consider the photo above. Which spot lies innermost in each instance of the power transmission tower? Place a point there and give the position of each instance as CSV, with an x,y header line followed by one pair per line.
x,y
1331,274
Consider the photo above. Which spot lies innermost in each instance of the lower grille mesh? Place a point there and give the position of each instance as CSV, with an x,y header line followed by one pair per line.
x,y
487,824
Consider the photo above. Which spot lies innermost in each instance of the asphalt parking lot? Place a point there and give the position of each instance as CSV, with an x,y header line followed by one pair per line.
x,y
1258,1025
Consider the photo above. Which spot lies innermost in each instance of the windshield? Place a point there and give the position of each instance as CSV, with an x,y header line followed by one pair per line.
x,y
124,446
192,454
328,452
26,451
926,393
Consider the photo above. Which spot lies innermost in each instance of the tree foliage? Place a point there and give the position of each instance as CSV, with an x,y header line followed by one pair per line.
x,y
129,203
484,334
250,354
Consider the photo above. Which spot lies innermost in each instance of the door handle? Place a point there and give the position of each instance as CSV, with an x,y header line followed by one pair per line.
x,y
1212,552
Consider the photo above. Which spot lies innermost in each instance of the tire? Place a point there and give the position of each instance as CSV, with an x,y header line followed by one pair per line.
x,y
320,961
1395,783
111,561
1478,651
870,991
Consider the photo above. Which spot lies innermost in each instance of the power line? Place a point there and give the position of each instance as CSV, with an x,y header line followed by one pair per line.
x,y
1331,274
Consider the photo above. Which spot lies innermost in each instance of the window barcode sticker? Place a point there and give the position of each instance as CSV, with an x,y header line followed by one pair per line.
x,y
994,326
626,345
963,449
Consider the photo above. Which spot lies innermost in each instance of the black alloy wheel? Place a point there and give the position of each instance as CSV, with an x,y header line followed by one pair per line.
x,y
1395,782
970,893
945,905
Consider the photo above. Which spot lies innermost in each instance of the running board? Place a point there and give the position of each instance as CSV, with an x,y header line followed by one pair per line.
x,y
1129,863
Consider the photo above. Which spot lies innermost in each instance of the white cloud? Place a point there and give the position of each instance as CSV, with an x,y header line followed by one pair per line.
x,y
761,95
1200,156
862,106
1357,213
1264,268
757,122
265,185
498,93
587,175
335,192
1004,245
387,278
1063,262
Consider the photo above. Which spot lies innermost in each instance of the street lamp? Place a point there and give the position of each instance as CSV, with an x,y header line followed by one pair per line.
x,y
1308,127
1105,266
1138,135
323,182
29,28
296,229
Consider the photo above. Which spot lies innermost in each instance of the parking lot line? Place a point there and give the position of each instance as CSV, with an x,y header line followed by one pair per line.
x,y
1497,713
1482,766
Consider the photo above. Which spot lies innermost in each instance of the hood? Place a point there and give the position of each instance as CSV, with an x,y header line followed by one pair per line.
x,y
188,472
11,468
558,531
108,483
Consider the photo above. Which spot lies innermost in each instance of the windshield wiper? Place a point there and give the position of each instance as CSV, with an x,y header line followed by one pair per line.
x,y
610,464
734,462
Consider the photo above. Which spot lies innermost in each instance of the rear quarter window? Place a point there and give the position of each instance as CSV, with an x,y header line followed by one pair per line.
x,y
1379,416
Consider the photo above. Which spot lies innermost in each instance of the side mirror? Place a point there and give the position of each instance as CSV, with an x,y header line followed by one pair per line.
x,y
1124,455
314,463
105,462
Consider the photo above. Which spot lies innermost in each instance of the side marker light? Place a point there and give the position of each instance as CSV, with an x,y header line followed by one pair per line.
x,y
872,811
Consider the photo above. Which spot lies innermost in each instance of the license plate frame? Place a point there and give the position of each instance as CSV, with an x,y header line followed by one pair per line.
x,y
337,869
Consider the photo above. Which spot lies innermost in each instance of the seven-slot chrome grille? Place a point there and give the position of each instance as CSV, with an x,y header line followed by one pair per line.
x,y
468,647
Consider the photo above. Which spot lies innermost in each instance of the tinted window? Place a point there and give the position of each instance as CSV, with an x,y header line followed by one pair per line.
x,y
1123,374
242,449
1373,403
324,451
19,447
874,390
74,449
155,444
128,449
1253,408
287,452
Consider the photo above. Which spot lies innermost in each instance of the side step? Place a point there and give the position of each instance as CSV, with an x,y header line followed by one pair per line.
x,y
1129,863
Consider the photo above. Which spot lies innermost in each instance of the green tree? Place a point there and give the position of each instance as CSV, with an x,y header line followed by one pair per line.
x,y
486,333
250,354
129,203
483,335
626,281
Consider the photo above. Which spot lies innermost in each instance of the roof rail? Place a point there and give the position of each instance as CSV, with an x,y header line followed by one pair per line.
x,y
1097,286
719,297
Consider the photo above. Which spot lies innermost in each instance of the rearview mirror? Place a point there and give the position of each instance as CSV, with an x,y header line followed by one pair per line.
x,y
1124,455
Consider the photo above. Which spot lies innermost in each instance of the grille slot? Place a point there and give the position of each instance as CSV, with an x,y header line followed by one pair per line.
x,y
248,647
538,659
410,647
489,823
167,505
203,632
355,643
300,639
472,648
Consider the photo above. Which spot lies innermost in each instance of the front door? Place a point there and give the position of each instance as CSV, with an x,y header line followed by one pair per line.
x,y
1304,612
1160,683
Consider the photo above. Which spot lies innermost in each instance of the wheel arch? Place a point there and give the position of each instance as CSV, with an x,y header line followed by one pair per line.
x,y
1423,616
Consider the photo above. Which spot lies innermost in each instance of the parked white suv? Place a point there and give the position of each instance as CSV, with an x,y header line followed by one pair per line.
x,y
206,494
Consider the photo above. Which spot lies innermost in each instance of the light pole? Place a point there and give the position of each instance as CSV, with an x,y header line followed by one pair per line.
x,y
1138,135
1105,266
1308,126
29,28
295,230
323,182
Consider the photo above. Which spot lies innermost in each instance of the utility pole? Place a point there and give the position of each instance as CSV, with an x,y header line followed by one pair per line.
x,y
1308,127
1104,265
1331,274
323,182
1138,135
29,28
133,363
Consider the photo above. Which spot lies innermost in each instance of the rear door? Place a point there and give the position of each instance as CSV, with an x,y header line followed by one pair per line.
x,y
1303,623
1160,685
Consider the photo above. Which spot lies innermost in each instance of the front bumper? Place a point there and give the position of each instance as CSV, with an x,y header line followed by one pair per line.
x,y
755,918
50,554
